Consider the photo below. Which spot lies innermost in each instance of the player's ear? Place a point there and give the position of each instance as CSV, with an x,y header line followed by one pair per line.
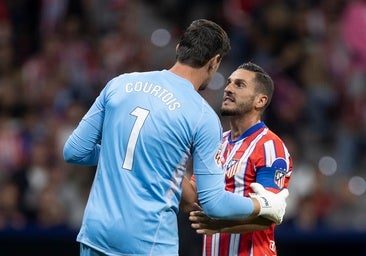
x,y
214,62
261,101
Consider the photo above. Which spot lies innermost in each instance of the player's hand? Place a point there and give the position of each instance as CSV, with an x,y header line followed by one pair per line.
x,y
204,224
273,206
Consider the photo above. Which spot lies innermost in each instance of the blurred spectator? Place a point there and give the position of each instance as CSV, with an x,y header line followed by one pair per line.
x,y
37,174
102,15
6,49
52,15
11,216
314,207
24,17
49,212
348,213
78,65
351,136
351,25
42,75
238,16
122,48
322,97
12,148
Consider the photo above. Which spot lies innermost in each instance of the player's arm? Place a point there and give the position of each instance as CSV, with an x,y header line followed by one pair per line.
x,y
206,225
79,149
189,199
219,203
82,147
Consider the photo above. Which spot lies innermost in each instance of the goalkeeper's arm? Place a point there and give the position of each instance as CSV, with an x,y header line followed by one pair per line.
x,y
218,203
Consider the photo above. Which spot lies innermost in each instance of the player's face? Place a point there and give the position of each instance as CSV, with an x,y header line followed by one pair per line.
x,y
239,93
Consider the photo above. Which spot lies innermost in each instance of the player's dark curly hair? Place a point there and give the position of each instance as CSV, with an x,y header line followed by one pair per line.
x,y
202,40
262,79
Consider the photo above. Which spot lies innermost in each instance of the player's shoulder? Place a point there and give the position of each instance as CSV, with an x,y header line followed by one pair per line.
x,y
264,136
131,77
270,134
138,74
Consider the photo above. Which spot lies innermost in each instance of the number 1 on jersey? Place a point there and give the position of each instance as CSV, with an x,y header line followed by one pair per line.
x,y
141,115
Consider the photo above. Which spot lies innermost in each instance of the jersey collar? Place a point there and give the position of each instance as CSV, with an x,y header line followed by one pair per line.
x,y
248,132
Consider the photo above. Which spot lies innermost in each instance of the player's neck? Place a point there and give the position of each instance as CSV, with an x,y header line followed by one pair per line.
x,y
240,125
195,75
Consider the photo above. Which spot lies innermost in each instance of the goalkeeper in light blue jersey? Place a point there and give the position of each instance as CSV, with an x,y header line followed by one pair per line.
x,y
141,131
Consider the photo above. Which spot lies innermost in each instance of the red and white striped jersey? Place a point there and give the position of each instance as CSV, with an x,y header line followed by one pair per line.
x,y
259,155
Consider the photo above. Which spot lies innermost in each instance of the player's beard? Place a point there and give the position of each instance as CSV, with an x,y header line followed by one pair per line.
x,y
238,110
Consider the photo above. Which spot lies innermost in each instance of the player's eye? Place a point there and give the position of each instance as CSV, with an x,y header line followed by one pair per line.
x,y
240,84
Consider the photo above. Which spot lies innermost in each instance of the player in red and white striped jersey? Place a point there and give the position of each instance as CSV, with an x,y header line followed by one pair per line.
x,y
250,152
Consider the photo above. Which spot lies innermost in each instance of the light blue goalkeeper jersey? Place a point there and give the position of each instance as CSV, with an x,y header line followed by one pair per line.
x,y
140,132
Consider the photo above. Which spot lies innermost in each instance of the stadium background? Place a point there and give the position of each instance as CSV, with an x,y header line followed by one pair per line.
x,y
56,55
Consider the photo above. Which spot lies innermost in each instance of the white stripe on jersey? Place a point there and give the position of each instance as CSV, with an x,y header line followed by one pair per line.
x,y
234,243
239,178
215,244
270,152
287,155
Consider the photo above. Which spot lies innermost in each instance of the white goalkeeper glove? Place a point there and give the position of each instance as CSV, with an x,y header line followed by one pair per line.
x,y
273,205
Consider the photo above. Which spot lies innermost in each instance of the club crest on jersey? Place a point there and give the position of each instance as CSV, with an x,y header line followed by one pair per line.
x,y
280,165
231,168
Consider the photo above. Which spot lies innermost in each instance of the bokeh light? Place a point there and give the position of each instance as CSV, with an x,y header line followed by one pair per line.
x,y
160,37
327,165
357,185
217,82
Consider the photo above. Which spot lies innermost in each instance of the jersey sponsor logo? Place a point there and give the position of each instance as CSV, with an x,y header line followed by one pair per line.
x,y
265,201
218,156
280,165
272,246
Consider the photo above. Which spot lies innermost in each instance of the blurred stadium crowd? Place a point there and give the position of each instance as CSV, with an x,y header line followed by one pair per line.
x,y
56,55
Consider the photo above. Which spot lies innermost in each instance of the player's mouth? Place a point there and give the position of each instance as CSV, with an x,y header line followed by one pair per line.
x,y
228,99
